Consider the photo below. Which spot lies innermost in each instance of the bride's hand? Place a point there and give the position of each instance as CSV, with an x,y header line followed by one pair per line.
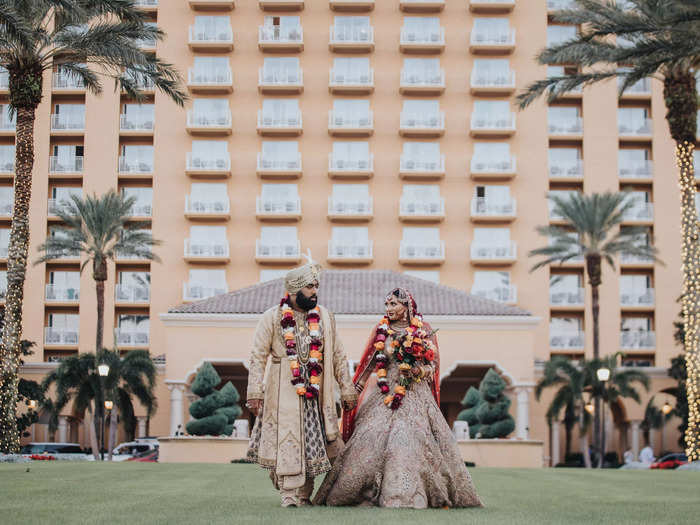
x,y
349,405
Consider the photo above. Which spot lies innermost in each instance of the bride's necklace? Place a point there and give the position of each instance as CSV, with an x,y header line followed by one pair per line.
x,y
307,380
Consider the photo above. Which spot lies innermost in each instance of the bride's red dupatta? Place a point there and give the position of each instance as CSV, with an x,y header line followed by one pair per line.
x,y
363,370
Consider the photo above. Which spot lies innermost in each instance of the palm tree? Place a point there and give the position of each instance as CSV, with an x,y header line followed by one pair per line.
x,y
657,39
98,228
592,232
77,379
655,419
89,39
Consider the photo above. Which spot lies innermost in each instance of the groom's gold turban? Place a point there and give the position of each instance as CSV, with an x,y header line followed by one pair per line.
x,y
298,278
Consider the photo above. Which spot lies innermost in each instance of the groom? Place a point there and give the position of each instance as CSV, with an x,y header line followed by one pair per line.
x,y
296,433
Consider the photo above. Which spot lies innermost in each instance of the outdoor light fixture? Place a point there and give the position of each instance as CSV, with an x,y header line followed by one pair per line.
x,y
666,409
590,407
32,404
109,405
603,374
103,370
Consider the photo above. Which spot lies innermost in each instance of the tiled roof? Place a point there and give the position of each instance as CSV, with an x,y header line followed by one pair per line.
x,y
355,292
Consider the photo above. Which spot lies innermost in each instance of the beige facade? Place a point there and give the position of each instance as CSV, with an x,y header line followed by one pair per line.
x,y
389,140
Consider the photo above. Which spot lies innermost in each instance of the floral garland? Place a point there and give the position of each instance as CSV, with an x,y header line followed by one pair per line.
x,y
310,386
412,350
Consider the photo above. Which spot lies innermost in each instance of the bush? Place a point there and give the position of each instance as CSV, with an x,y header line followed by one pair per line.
x,y
493,414
472,400
216,410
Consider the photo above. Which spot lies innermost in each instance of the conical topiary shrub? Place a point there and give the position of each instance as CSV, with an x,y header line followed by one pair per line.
x,y
472,400
216,410
492,413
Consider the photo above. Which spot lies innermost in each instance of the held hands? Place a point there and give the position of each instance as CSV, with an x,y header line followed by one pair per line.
x,y
255,406
349,405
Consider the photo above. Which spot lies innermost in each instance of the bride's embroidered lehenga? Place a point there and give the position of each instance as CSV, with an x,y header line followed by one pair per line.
x,y
406,457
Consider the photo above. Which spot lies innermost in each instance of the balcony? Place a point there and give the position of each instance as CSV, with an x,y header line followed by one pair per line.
x,y
491,6
638,340
133,126
142,83
351,168
281,5
566,170
279,125
4,252
567,129
424,42
134,167
67,125
278,209
569,340
132,258
422,125
141,211
56,294
212,5
635,131
344,253
413,83
149,6
209,123
492,42
360,83
276,39
411,210
419,254
129,294
643,299
199,209
559,5
63,257
219,41
351,40
492,84
641,171
6,209
198,165
7,125
421,6
197,291
4,80
501,294
280,81
70,166
491,254
61,337
485,210
210,81
640,90
572,299
348,124
351,5
131,337
636,261
269,166
340,210
7,164
67,84
206,251
428,167
492,125
641,213
58,205
289,252
492,168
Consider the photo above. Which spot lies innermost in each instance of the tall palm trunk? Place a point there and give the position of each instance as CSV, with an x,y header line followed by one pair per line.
x,y
680,96
583,443
94,434
113,428
594,267
100,275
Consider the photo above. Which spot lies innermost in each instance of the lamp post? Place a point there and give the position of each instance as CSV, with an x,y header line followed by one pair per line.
x,y
108,408
665,410
603,374
103,371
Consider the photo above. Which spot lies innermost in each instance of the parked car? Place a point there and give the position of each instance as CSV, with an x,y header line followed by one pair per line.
x,y
670,461
128,450
55,450
149,456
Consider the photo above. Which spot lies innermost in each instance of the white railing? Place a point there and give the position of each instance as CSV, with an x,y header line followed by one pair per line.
x,y
492,38
132,165
4,78
422,121
492,251
351,35
341,250
55,293
279,121
641,87
636,259
220,36
141,210
289,250
206,207
141,81
572,126
502,294
275,163
360,78
637,297
558,5
566,168
196,291
493,122
573,297
642,169
420,208
280,77
277,206
7,163
416,79
141,256
638,340
209,119
424,37
6,208
635,129
62,122
337,163
493,165
279,35
420,165
484,207
4,251
417,250
131,337
206,248
348,207
220,76
342,120
7,123
128,293
62,254
492,79
560,340
145,3
60,336
65,165
56,205
131,123
64,80
199,162
640,211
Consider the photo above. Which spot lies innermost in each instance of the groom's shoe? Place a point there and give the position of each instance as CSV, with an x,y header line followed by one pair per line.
x,y
289,498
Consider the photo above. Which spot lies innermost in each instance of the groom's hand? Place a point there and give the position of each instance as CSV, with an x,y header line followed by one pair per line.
x,y
255,406
349,405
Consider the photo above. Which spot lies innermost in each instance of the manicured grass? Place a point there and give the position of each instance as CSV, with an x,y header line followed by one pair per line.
x,y
235,494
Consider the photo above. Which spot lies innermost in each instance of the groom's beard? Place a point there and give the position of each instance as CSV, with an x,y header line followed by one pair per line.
x,y
306,303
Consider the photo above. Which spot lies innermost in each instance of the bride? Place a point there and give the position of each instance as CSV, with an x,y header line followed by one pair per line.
x,y
400,451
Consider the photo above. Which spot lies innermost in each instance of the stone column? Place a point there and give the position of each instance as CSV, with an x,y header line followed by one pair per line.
x,y
141,428
177,391
635,438
62,429
522,421
555,443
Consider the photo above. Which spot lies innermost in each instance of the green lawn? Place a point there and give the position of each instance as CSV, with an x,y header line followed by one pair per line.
x,y
206,494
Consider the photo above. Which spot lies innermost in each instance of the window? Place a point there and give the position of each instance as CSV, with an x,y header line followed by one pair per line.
x,y
638,283
351,154
3,283
7,197
562,194
7,121
421,155
351,112
565,162
633,120
491,71
421,107
280,112
63,328
429,275
7,158
421,29
136,325
63,286
211,70
143,200
281,70
280,154
492,113
68,116
492,199
491,30
137,116
62,195
421,71
492,236
206,283
421,236
281,28
564,119
279,198
138,156
565,325
419,242
210,153
566,289
350,198
495,154
210,107
351,70
493,285
352,29
422,194
135,279
208,235
280,241
4,241
216,28
205,193
558,34
350,241
271,275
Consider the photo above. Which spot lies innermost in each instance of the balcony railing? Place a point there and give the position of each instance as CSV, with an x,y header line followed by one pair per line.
x,y
436,79
209,119
342,250
129,293
492,38
56,293
222,35
290,249
635,129
280,35
351,35
558,5
207,207
572,126
643,169
206,249
493,165
636,259
492,251
349,208
65,165
573,297
7,123
277,206
141,210
569,340
276,121
502,294
145,3
641,87
566,169
637,297
62,254
340,79
483,207
131,337
7,163
505,123
422,208
197,161
132,165
425,37
280,77
6,208
131,123
63,80
60,336
338,163
409,163
417,121
502,80
4,78
67,122
196,291
640,211
638,340
210,77
4,251
339,120
426,251
57,205
279,163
